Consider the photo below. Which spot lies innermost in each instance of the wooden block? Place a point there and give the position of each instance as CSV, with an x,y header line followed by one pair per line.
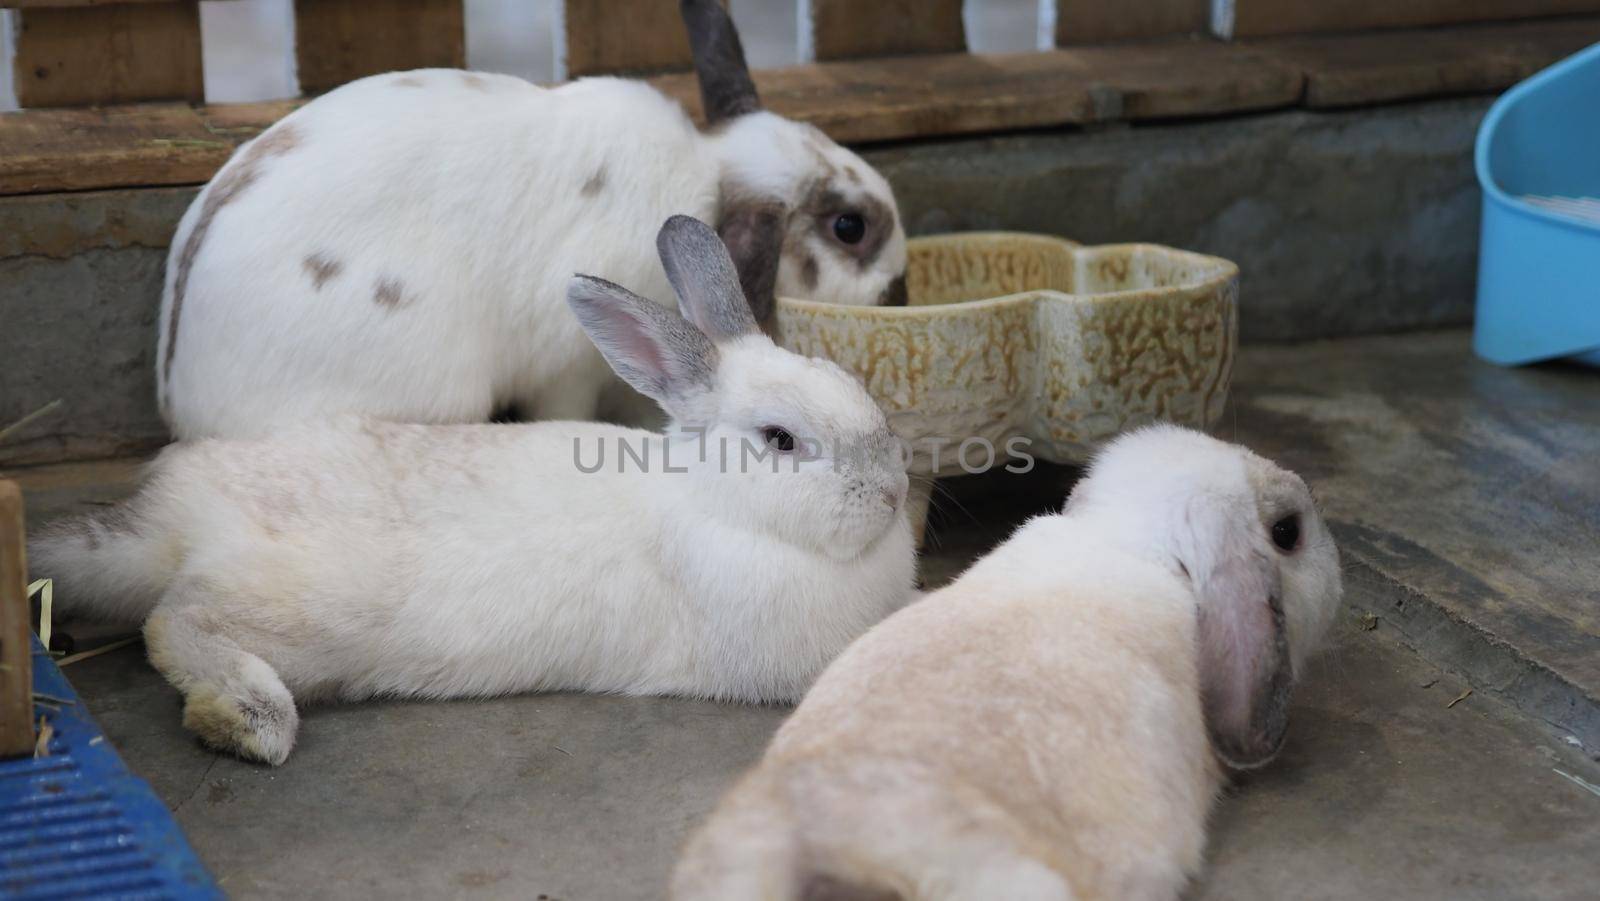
x,y
16,652
852,29
1099,22
625,36
1259,18
79,55
1382,67
338,41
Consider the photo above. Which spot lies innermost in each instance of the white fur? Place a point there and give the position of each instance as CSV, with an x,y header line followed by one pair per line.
x,y
1036,729
358,558
467,193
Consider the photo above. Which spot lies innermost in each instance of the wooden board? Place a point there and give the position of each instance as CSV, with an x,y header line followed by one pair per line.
x,y
79,55
337,41
1099,22
71,150
1382,67
1259,18
626,36
960,93
16,652
852,29
887,99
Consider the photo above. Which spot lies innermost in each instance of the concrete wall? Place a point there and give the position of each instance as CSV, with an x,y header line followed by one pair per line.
x,y
1342,223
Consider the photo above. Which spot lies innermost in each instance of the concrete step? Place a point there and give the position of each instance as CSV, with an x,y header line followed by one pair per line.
x,y
1344,222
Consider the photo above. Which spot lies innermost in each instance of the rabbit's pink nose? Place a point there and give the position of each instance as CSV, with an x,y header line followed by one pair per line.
x,y
891,497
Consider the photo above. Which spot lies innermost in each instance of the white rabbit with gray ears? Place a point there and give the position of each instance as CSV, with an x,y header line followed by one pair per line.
x,y
358,558
400,247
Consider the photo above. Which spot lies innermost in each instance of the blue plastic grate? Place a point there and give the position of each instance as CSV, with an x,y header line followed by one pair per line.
x,y
78,824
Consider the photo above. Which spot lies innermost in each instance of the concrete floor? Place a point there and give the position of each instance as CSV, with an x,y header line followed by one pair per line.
x,y
1466,499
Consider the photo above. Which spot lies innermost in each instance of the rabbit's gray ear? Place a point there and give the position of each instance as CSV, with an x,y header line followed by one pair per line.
x,y
705,279
726,90
649,346
1245,671
753,234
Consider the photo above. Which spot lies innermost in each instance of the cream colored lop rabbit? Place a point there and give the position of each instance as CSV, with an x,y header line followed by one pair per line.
x,y
1056,723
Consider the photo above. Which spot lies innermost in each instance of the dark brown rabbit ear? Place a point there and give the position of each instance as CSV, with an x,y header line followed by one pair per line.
x,y
726,91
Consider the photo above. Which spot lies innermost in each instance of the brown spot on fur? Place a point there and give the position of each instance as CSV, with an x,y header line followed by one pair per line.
x,y
808,273
824,202
407,81
753,228
895,295
237,175
320,268
595,184
851,173
388,292
475,82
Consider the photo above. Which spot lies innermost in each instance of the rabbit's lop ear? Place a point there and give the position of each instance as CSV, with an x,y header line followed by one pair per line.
x,y
726,90
1245,671
650,347
704,277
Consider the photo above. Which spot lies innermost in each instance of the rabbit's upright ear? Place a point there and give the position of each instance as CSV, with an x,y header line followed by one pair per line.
x,y
705,279
650,347
726,90
1245,671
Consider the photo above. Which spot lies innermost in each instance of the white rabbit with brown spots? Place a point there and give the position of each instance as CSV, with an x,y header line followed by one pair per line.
x,y
731,557
1056,724
400,247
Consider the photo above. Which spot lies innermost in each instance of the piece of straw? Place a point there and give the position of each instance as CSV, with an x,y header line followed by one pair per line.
x,y
46,590
17,426
41,747
96,652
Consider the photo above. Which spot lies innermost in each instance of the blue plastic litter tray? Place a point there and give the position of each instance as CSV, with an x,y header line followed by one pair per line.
x,y
1538,160
78,824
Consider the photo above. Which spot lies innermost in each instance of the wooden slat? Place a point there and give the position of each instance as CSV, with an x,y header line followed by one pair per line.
x,y
56,4
71,150
337,41
1382,67
853,29
16,654
625,36
80,55
1099,22
889,99
959,93
1260,18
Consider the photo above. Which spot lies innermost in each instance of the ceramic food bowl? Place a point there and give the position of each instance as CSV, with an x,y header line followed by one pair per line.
x,y
1020,336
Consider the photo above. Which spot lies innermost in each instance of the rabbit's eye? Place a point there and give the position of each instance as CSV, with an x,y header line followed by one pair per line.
x,y
1286,532
777,438
850,228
